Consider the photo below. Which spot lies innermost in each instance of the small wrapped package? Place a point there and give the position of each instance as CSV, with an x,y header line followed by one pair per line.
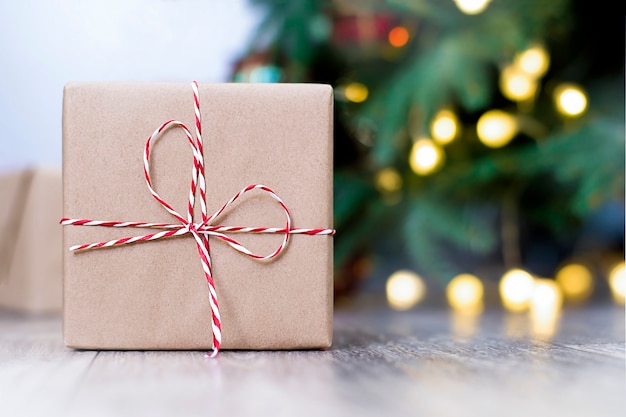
x,y
119,181
30,240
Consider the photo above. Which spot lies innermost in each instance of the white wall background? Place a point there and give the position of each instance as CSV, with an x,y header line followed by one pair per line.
x,y
46,43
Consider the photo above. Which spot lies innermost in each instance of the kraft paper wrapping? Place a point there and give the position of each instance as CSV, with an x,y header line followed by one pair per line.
x,y
153,295
30,240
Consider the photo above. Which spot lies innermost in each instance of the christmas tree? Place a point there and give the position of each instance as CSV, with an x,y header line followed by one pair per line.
x,y
461,127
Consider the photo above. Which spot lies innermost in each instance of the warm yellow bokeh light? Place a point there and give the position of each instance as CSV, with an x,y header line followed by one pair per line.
x,y
516,288
576,282
398,36
444,127
404,290
545,309
546,299
617,282
388,180
517,85
356,92
496,128
570,100
426,157
533,61
465,293
472,6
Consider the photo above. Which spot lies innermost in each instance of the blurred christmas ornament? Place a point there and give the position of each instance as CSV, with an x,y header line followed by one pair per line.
x,y
361,27
257,68
370,31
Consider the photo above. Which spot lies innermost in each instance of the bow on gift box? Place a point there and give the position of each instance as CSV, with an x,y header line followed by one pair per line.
x,y
202,230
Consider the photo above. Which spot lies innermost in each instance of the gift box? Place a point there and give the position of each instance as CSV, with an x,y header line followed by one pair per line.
x,y
153,294
30,240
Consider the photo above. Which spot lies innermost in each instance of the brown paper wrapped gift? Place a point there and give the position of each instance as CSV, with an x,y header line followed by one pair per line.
x,y
30,240
152,295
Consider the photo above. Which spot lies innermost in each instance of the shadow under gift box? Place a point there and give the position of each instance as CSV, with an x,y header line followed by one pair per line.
x,y
153,295
30,240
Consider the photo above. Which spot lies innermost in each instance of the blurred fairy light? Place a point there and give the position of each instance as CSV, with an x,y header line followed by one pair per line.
x,y
576,281
617,282
398,36
356,92
496,128
546,297
516,289
388,180
545,307
519,81
426,157
404,290
533,61
444,127
570,100
517,85
465,293
472,6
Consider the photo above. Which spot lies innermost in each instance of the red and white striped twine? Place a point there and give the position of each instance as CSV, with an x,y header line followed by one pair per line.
x,y
200,231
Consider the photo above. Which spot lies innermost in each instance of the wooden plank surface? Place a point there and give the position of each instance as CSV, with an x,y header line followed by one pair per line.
x,y
425,362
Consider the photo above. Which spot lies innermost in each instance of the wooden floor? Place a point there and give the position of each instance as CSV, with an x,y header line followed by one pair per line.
x,y
419,363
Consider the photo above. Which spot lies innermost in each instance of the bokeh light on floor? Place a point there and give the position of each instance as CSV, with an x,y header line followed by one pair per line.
x,y
576,281
404,290
465,294
546,298
617,282
516,289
